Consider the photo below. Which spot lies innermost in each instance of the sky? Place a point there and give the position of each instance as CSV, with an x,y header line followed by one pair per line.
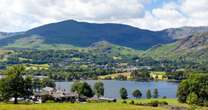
x,y
22,15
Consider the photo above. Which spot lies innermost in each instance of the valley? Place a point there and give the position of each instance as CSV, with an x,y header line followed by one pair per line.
x,y
80,51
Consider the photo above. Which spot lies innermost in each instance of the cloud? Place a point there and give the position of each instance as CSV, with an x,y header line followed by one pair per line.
x,y
176,14
195,8
20,15
24,14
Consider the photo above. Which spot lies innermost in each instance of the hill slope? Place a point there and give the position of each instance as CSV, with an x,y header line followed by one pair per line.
x,y
106,48
193,48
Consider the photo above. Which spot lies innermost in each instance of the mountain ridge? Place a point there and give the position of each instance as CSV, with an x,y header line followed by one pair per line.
x,y
84,34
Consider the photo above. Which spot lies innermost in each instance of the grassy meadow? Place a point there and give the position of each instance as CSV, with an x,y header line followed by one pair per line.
x,y
75,106
97,106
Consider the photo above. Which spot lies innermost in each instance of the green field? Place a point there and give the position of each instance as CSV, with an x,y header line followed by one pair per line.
x,y
76,106
96,106
169,100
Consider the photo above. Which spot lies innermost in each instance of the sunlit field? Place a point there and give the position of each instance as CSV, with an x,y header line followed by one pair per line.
x,y
75,106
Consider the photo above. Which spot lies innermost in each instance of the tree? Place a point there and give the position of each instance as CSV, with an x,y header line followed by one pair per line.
x,y
121,77
46,82
99,89
155,93
123,93
82,88
182,91
137,93
140,75
148,94
192,98
194,89
14,85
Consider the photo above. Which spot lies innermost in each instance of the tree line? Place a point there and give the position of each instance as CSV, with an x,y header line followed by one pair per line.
x,y
138,94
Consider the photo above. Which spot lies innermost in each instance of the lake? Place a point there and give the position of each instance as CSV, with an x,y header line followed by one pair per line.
x,y
112,87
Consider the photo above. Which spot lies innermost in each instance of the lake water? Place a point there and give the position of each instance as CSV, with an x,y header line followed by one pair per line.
x,y
112,87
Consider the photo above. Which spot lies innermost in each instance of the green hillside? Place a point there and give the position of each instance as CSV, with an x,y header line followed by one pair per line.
x,y
193,48
104,47
35,42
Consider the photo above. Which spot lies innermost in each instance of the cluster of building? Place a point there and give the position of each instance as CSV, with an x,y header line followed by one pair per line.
x,y
49,93
158,75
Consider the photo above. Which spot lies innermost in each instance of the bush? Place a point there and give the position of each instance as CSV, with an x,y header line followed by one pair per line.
x,y
132,102
124,102
193,107
154,103
163,103
164,97
192,98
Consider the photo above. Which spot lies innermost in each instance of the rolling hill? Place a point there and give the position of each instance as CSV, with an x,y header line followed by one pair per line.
x,y
193,48
106,48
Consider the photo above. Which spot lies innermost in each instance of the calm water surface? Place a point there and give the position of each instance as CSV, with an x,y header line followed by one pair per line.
x,y
112,87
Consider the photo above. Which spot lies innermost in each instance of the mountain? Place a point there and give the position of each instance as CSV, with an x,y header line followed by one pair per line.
x,y
183,32
2,35
193,48
83,34
6,34
70,34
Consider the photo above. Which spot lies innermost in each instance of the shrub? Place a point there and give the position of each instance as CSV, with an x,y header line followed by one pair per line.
x,y
164,97
154,103
131,102
124,102
192,98
193,107
164,103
